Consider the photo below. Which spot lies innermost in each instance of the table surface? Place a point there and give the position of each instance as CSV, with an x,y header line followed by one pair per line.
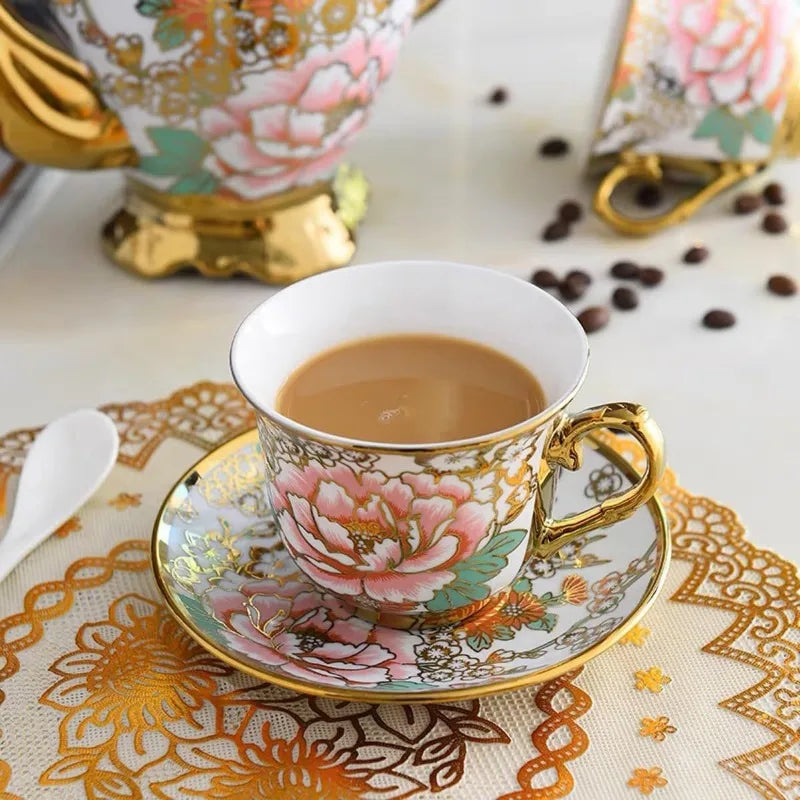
x,y
454,178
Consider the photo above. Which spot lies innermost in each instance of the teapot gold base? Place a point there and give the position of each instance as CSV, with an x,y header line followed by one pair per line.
x,y
278,240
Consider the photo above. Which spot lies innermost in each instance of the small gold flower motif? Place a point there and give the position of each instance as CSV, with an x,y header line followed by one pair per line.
x,y
652,679
70,526
636,635
645,780
657,728
125,500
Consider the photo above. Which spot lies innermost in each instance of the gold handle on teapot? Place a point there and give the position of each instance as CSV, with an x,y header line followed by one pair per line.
x,y
717,177
49,112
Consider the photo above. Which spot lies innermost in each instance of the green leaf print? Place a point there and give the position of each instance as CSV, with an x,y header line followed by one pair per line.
x,y
170,31
180,154
730,131
481,641
545,623
201,617
761,125
472,574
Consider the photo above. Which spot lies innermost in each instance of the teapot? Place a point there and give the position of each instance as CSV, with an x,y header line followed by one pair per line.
x,y
229,117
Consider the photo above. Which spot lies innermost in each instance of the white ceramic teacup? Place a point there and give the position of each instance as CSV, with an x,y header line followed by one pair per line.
x,y
426,532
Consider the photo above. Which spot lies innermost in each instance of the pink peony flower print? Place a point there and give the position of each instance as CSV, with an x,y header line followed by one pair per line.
x,y
389,541
290,127
731,52
291,627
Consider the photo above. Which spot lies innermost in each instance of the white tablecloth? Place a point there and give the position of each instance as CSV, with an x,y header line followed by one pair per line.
x,y
454,178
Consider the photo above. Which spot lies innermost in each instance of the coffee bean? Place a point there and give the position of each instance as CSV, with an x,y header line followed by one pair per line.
x,y
594,318
695,255
746,203
625,270
649,195
580,275
782,285
555,231
718,318
570,211
651,276
545,279
554,147
774,194
625,298
572,288
774,223
498,96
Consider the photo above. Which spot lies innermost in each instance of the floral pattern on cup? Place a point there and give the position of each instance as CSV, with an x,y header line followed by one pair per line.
x,y
229,572
701,79
402,534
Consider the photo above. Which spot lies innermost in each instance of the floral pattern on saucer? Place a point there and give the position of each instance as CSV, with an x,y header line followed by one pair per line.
x,y
230,580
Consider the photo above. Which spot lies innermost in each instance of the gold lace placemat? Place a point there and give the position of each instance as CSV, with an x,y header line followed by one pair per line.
x,y
103,696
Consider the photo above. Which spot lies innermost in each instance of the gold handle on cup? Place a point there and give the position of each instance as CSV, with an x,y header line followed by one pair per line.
x,y
563,449
49,112
718,176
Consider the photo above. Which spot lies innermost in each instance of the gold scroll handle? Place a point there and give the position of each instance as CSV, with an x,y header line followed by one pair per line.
x,y
716,177
563,449
49,112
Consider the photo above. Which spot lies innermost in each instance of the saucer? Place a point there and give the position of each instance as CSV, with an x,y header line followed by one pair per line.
x,y
221,566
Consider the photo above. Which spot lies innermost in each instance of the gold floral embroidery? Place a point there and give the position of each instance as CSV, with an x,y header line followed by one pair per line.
x,y
657,728
133,674
652,679
4,476
646,780
125,500
72,525
637,635
788,703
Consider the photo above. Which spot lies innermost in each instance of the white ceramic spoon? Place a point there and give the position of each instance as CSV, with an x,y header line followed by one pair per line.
x,y
65,466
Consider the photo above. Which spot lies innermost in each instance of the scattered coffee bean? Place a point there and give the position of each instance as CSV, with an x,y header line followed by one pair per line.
x,y
719,318
782,285
572,288
625,298
545,279
580,275
555,231
625,270
498,96
746,203
774,223
774,194
649,195
651,276
554,147
695,255
570,211
594,318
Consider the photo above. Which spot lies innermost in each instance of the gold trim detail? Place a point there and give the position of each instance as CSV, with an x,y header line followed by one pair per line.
x,y
49,111
563,448
207,462
280,240
554,758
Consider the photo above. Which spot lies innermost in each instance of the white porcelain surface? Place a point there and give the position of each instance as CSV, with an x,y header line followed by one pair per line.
x,y
456,179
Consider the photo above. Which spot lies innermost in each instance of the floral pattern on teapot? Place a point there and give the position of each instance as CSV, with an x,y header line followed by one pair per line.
x,y
238,99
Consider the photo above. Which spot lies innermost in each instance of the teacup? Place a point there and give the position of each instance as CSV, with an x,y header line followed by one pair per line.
x,y
427,533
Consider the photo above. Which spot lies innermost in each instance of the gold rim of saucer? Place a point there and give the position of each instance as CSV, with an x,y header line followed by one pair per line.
x,y
376,696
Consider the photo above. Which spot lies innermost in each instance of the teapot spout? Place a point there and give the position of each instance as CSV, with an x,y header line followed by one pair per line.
x,y
49,112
